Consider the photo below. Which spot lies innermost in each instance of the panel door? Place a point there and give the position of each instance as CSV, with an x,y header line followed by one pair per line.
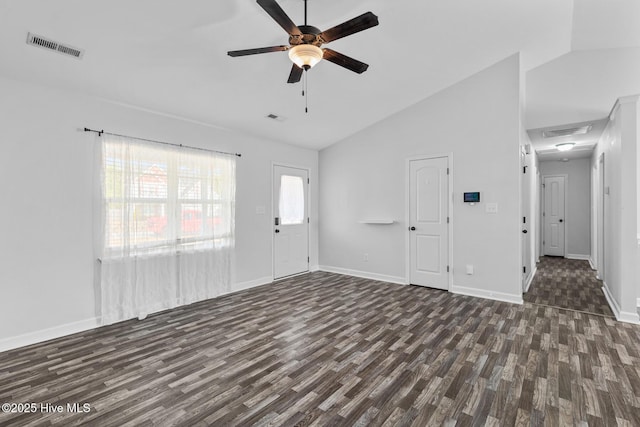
x,y
290,224
554,219
428,222
526,257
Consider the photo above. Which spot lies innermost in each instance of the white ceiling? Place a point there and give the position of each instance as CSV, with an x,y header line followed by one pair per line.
x,y
171,57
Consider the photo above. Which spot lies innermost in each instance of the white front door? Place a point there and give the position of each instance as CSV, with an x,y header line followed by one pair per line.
x,y
554,219
428,222
291,221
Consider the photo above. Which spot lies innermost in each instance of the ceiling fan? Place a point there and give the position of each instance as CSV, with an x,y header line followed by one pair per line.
x,y
305,41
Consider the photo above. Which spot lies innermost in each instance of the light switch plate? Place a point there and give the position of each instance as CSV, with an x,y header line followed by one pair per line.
x,y
491,208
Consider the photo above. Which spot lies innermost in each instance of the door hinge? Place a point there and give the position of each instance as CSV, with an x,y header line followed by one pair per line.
x,y
308,220
307,257
447,171
524,169
447,220
524,219
543,242
524,270
307,181
447,268
543,213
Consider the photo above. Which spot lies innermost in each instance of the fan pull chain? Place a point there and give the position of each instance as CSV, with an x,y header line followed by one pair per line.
x,y
306,93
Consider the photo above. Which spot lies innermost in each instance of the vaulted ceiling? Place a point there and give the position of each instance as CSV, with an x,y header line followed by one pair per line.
x,y
171,56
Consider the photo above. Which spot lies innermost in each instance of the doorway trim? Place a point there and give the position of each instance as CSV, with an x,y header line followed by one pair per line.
x,y
543,210
273,215
600,216
407,209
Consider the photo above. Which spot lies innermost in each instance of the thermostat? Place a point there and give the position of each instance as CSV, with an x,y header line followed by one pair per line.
x,y
473,197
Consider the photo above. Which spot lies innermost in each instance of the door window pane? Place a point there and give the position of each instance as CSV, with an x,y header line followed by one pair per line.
x,y
291,204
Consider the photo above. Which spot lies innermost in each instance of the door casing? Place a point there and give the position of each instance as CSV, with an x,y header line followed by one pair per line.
x,y
407,204
273,214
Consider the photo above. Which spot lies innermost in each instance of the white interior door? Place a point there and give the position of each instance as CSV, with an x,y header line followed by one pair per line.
x,y
428,222
554,219
525,219
291,222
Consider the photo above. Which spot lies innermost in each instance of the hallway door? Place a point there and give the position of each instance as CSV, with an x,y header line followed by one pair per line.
x,y
429,222
524,206
554,215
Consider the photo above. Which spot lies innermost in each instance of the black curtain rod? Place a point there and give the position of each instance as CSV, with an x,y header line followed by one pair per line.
x,y
100,132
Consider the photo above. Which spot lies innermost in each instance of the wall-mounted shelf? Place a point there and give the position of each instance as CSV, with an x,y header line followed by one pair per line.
x,y
376,221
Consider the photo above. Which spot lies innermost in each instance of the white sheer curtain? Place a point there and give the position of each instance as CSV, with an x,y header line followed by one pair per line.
x,y
168,221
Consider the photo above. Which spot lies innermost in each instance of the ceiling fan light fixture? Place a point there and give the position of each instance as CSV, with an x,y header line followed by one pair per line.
x,y
566,146
305,56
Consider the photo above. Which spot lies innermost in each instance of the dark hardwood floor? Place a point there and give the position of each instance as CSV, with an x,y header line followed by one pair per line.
x,y
568,283
325,349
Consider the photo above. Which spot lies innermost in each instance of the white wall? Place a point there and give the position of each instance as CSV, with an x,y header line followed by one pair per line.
x,y
364,177
578,203
46,173
619,145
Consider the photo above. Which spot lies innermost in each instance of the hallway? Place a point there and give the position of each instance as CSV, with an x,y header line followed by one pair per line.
x,y
570,284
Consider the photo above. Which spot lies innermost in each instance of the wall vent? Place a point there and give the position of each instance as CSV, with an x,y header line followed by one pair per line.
x,y
555,133
45,43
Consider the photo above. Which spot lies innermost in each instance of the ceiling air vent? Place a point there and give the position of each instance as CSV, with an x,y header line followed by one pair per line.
x,y
555,133
275,117
45,43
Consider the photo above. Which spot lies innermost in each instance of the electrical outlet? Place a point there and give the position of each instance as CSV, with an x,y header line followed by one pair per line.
x,y
491,208
469,269
365,257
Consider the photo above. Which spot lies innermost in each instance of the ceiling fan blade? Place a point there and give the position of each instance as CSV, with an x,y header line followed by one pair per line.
x,y
275,11
352,26
246,52
345,61
295,75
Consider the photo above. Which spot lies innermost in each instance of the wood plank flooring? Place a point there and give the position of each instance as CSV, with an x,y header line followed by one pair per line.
x,y
568,283
326,349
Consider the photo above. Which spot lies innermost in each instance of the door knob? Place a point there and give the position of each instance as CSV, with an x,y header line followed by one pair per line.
x,y
562,220
525,231
412,228
277,231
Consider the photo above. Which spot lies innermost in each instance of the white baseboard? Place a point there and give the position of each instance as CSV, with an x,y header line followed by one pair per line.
x,y
592,264
578,256
482,293
48,334
531,276
249,284
364,274
314,268
621,316
638,302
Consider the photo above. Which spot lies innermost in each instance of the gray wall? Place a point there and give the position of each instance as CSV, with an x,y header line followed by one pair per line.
x,y
578,194
364,177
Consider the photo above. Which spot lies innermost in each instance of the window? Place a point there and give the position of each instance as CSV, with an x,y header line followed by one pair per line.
x,y
291,203
160,199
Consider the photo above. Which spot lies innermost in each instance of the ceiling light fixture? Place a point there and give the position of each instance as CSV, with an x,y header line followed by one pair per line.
x,y
566,146
305,56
